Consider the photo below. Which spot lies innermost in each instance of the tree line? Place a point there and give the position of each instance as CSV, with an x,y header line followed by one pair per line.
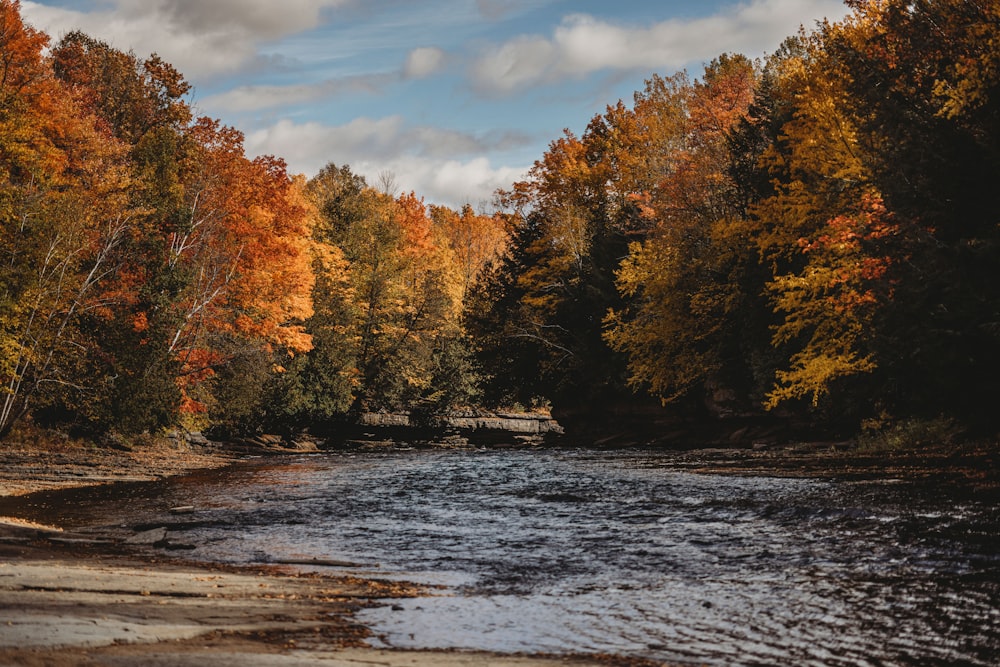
x,y
813,234
151,274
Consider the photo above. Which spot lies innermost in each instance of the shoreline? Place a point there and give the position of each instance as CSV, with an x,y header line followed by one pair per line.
x,y
69,599
92,599
65,601
54,464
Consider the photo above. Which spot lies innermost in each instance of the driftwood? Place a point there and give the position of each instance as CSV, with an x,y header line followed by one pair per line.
x,y
322,561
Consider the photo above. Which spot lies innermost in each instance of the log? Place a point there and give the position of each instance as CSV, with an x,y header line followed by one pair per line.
x,y
322,561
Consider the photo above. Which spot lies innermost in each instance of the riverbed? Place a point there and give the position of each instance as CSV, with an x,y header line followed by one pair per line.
x,y
569,551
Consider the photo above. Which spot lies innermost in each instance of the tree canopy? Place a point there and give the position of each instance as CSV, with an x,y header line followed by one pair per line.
x,y
812,234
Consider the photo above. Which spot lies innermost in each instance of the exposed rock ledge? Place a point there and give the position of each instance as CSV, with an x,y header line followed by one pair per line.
x,y
515,423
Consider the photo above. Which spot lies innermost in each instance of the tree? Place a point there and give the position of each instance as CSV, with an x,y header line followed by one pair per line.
x,y
131,97
822,231
570,226
924,78
475,240
882,224
831,304
388,303
63,217
685,285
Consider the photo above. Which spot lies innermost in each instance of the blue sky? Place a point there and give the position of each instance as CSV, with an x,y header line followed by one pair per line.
x,y
453,98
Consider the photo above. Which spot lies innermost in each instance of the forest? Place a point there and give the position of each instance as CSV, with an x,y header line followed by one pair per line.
x,y
813,236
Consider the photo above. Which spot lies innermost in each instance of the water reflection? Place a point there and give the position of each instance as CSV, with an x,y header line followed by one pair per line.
x,y
612,551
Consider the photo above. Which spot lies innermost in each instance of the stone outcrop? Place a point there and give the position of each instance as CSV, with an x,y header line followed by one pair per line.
x,y
534,424
515,423
455,429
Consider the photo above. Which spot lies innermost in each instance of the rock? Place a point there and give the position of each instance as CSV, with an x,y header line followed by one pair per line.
x,y
154,536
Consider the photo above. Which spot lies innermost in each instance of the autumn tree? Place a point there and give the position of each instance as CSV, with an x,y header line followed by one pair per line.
x,y
880,226
493,311
924,77
684,285
131,97
570,220
387,323
65,214
475,240
821,181
143,251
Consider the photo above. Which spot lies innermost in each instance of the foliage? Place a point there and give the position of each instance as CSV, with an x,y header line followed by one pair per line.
x,y
814,234
878,436
134,239
390,281
684,284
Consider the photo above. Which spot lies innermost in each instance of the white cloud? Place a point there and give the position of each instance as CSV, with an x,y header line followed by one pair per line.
x,y
582,44
423,62
200,38
433,162
447,182
254,98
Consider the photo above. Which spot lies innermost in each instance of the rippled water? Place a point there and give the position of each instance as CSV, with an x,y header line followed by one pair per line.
x,y
583,551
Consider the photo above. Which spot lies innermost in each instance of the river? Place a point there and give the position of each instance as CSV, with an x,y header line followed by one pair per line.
x,y
607,551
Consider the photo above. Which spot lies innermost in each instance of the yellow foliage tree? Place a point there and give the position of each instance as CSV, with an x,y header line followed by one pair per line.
x,y
682,284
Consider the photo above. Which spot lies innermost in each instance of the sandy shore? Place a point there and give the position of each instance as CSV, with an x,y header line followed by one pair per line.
x,y
73,599
70,599
59,463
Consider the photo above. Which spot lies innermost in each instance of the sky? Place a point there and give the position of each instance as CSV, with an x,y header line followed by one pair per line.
x,y
451,99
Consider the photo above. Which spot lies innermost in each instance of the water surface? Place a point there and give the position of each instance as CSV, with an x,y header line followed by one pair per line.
x,y
584,551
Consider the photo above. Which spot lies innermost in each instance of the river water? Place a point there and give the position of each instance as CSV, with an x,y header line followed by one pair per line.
x,y
618,552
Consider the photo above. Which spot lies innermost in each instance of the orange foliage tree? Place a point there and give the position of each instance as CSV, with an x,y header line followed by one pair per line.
x,y
140,248
64,213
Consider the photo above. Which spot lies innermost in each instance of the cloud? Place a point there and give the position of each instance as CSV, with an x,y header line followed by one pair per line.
x,y
420,63
254,19
581,44
307,144
496,10
255,98
423,62
200,38
445,166
446,182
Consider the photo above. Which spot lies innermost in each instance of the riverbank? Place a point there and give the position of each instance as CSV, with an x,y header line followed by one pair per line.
x,y
72,600
975,465
38,460
103,599
89,599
